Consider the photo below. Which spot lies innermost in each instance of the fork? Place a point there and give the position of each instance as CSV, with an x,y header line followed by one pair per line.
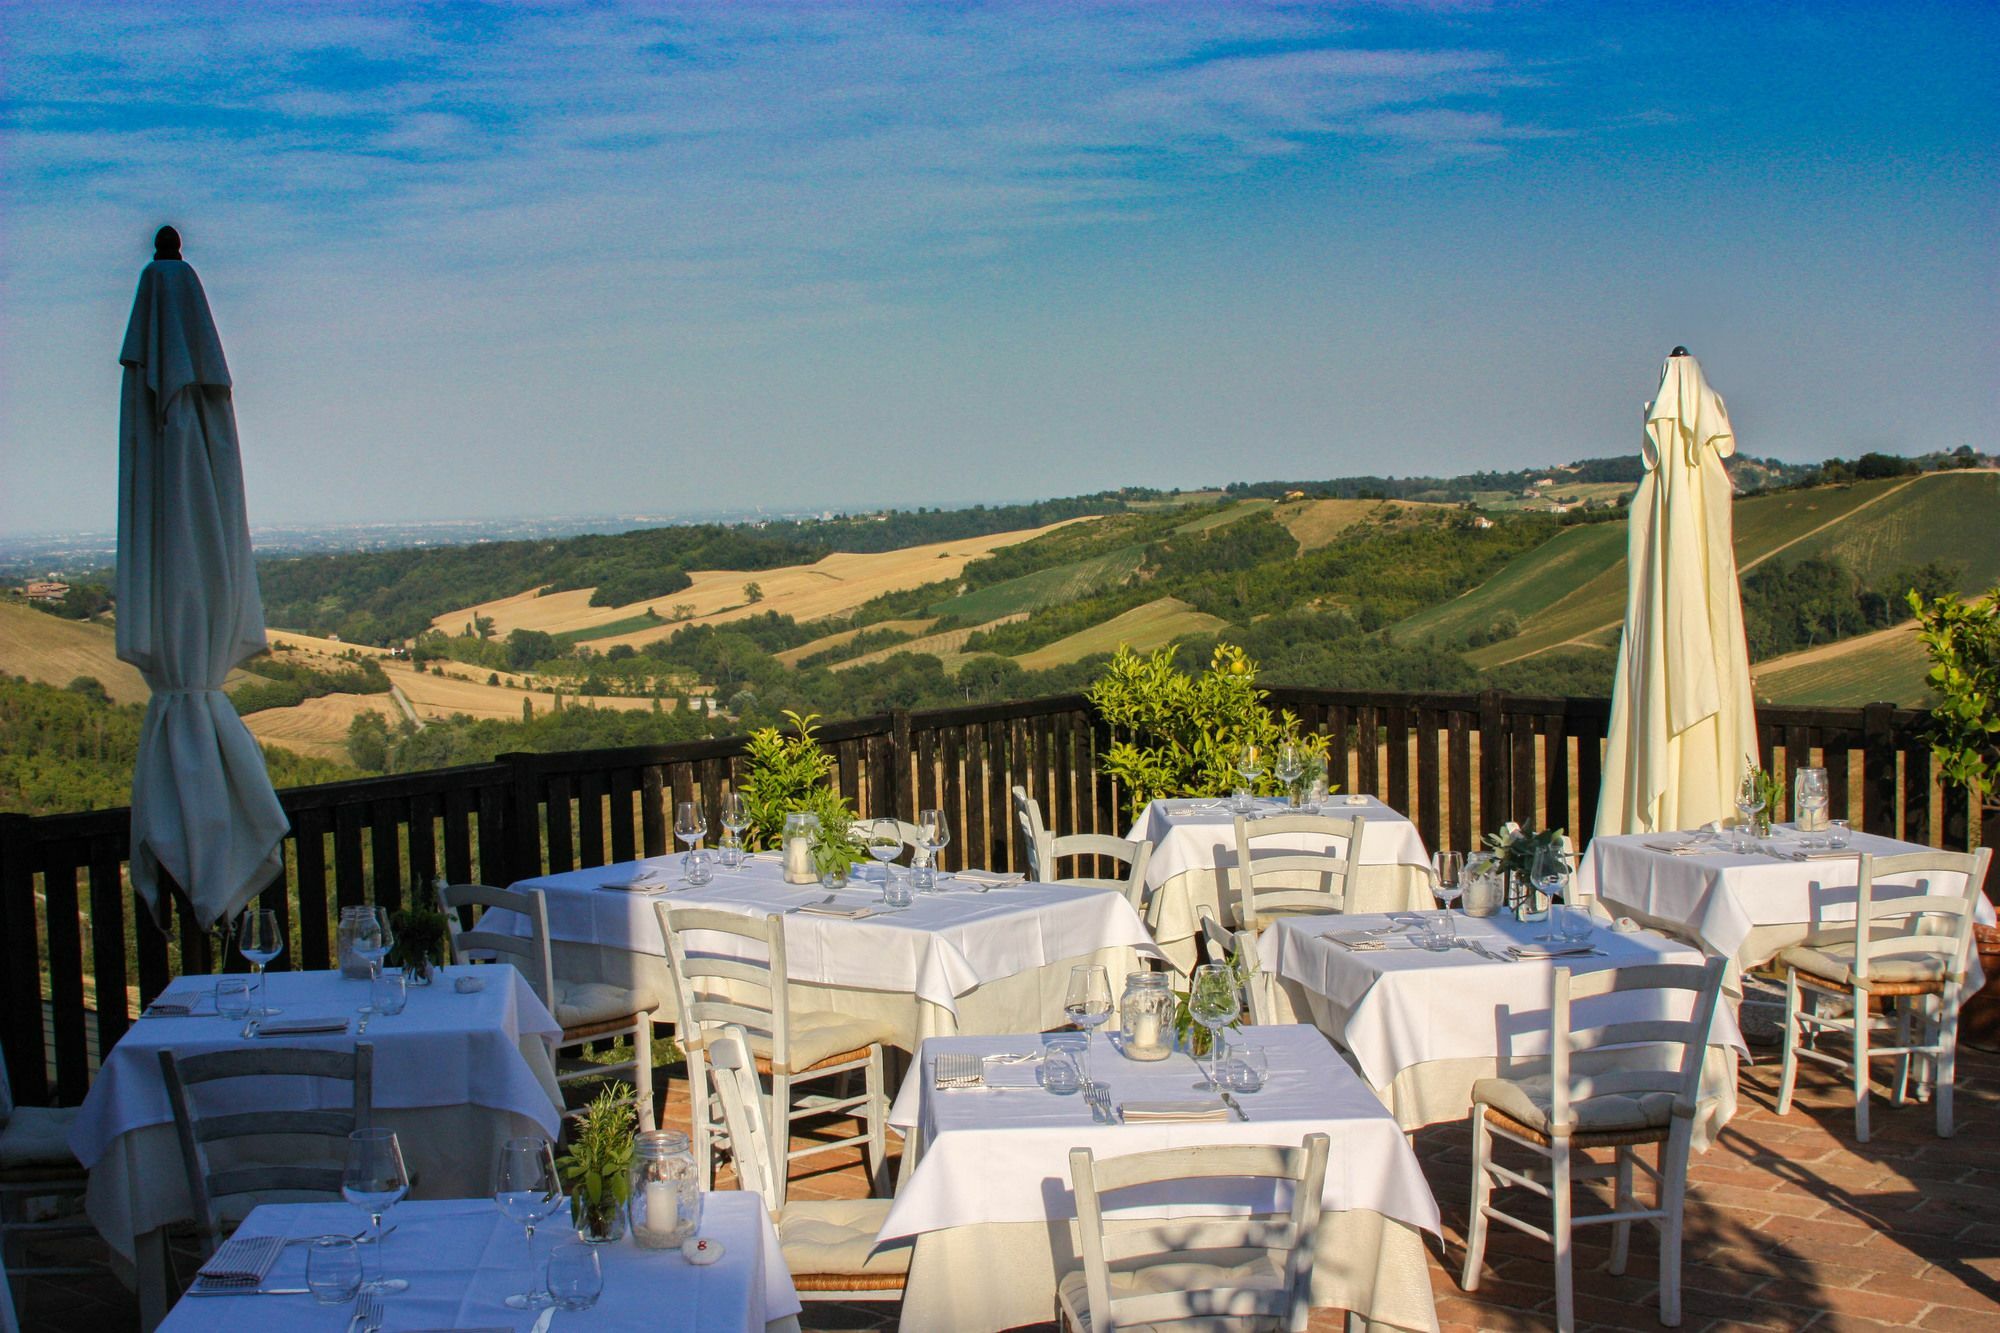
x,y
368,1312
803,906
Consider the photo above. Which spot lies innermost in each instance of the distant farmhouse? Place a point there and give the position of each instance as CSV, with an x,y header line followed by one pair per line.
x,y
45,590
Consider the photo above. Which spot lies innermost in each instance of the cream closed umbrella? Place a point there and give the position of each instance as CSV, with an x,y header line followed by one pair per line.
x,y
188,608
1681,722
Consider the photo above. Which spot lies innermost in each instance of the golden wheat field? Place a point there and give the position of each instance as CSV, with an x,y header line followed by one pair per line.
x,y
54,651
318,727
829,587
1315,523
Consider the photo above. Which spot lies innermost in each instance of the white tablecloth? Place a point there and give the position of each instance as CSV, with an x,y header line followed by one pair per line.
x,y
1194,855
463,1258
991,1180
1745,908
929,968
1460,1016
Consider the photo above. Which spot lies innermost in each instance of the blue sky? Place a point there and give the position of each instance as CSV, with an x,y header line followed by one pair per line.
x,y
552,257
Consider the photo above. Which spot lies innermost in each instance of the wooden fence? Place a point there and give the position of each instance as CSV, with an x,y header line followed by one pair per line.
x,y
79,955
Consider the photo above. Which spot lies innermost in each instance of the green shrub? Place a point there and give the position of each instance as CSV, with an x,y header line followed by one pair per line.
x,y
789,772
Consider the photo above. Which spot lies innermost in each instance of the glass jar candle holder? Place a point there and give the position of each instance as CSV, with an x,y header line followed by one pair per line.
x,y
666,1197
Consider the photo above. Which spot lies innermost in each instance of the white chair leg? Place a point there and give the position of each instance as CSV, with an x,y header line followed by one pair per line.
x,y
1860,1017
878,1115
698,1125
1904,1009
1621,1232
1793,1036
1947,1061
780,1120
1559,1232
642,1070
1482,1194
1673,1165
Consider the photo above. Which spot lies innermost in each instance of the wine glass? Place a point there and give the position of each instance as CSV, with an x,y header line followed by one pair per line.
x,y
1448,868
1288,770
373,938
1749,801
1213,1003
885,843
1550,874
689,826
373,1180
1812,801
735,819
260,939
933,835
527,1189
1249,767
1088,1003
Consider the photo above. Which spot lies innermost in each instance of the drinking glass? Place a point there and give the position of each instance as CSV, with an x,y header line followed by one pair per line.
x,y
1249,767
1838,835
1062,1068
885,843
896,892
1088,1004
527,1189
1551,875
259,938
689,826
735,819
575,1276
388,992
1448,871
372,940
1440,931
1247,1069
1749,801
1288,770
1576,925
232,997
1213,1003
374,1179
933,835
333,1270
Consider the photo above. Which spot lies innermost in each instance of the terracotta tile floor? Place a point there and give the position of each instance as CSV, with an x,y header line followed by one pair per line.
x,y
1791,1224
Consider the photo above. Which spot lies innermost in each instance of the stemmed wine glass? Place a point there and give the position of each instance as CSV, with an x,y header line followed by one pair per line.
x,y
885,843
527,1189
1550,874
1448,871
373,939
1288,770
1214,1003
933,835
260,939
1088,1005
1249,767
1749,801
735,818
689,826
373,1181
1812,802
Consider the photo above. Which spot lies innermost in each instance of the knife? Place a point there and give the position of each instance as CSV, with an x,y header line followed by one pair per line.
x,y
542,1322
1229,1100
198,1290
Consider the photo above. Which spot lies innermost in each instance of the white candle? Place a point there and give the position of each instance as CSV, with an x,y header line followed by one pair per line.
x,y
662,1206
799,867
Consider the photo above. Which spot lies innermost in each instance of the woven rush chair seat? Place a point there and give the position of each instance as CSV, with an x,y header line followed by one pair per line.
x,y
35,1142
592,1004
1888,974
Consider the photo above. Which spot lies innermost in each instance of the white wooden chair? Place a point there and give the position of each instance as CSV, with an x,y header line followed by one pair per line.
x,y
1031,833
1909,952
1194,1272
1045,854
587,1010
1284,882
829,1244
279,1172
1608,1099
1219,944
749,987
36,1165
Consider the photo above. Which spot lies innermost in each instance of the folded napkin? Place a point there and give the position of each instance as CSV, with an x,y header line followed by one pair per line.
x,y
298,1027
835,909
182,1002
1007,1072
957,1069
1683,848
241,1261
642,881
1199,1110
1537,951
1362,939
994,877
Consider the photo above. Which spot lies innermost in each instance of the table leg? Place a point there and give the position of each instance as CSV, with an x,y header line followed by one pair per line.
x,y
149,1259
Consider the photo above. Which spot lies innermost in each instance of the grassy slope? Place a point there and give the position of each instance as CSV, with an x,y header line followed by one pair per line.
x,y
1223,517
1317,523
45,648
1141,628
1944,516
1044,587
1527,585
793,656
1886,666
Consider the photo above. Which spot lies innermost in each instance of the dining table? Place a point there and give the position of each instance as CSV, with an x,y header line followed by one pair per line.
x,y
1746,906
456,1074
1193,864
986,1191
462,1258
984,953
1422,1025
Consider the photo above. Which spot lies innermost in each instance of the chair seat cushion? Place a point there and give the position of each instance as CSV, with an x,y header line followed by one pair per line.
x,y
838,1236
1257,1270
820,1033
583,1004
38,1136
1837,964
1527,1100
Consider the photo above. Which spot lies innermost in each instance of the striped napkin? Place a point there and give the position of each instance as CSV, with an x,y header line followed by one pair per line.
x,y
1537,951
299,1027
1361,940
1200,1110
242,1261
992,878
958,1069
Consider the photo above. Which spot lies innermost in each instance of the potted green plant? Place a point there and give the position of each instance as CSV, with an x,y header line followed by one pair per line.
x,y
1513,848
422,937
598,1166
1193,1037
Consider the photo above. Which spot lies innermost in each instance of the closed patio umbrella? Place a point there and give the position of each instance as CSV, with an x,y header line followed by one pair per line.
x,y
188,608
1681,723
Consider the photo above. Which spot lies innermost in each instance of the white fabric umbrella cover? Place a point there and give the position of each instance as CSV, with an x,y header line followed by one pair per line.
x,y
203,810
1682,729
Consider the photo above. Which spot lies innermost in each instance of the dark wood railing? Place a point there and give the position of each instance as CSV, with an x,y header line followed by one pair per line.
x,y
78,957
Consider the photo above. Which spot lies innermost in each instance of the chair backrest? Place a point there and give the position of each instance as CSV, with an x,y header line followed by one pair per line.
x,y
734,1070
1910,923
1032,835
529,953
246,1172
1702,983
1268,881
1133,856
716,989
1289,1242
1221,944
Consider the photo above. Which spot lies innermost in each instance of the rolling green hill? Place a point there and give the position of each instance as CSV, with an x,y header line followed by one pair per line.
x,y
1887,666
1044,587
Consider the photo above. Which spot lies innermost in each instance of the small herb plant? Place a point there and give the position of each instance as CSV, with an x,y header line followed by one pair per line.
x,y
421,933
1191,1033
1514,847
598,1165
790,772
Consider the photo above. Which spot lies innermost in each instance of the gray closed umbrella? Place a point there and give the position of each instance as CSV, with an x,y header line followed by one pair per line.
x,y
203,810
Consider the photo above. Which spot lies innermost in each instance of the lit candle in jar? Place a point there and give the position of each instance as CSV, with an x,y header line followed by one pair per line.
x,y
662,1207
799,867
